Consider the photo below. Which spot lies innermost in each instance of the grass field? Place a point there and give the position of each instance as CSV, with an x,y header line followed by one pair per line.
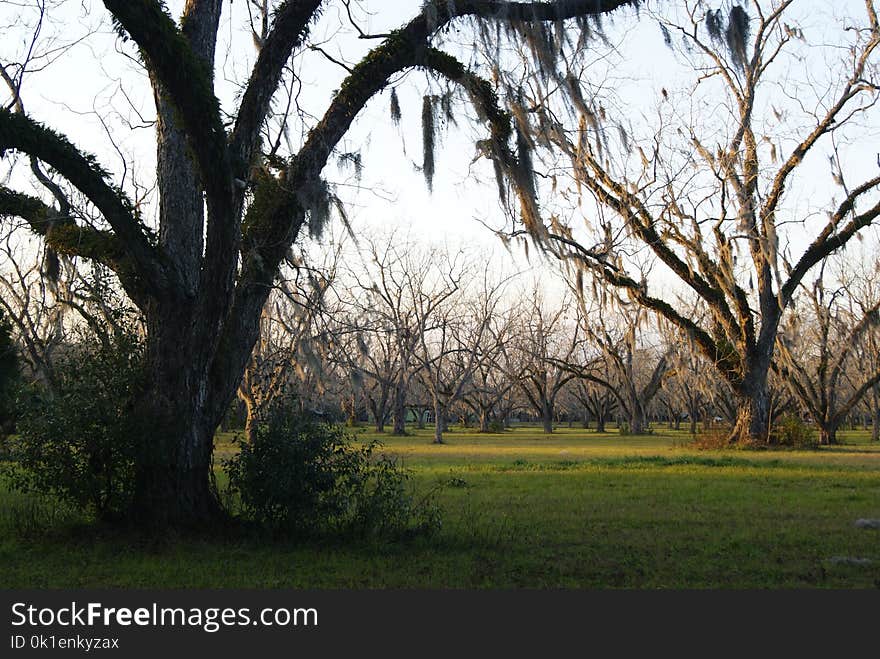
x,y
522,510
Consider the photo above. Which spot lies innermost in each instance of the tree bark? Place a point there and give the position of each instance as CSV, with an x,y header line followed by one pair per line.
x,y
439,421
173,470
399,410
753,419
828,434
637,421
875,413
484,421
547,417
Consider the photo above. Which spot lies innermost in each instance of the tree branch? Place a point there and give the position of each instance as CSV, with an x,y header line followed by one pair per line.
x,y
64,236
17,131
188,81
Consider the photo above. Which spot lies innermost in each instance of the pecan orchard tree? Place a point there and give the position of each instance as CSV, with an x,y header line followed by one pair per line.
x,y
721,188
225,223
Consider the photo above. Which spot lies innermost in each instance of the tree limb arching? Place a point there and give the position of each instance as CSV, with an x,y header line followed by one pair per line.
x,y
19,132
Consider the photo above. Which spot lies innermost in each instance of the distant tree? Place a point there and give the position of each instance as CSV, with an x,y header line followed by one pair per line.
x,y
290,348
625,365
547,344
816,352
495,375
450,347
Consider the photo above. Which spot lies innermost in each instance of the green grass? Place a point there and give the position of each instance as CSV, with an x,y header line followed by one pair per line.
x,y
573,510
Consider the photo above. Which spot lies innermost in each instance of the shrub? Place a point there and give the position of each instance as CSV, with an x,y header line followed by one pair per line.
x,y
792,431
9,378
496,426
302,477
76,441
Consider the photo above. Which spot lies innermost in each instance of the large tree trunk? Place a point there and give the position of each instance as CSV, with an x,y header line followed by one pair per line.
x,y
638,423
827,434
439,421
484,420
378,413
547,417
875,413
250,420
753,419
182,405
399,409
173,470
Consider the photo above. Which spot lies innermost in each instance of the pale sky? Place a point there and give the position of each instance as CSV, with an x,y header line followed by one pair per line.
x,y
94,82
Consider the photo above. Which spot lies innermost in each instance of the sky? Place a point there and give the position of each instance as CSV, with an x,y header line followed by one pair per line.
x,y
95,90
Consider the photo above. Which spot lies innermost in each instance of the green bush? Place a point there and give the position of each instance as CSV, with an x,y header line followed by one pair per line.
x,y
76,441
496,426
9,378
792,431
302,477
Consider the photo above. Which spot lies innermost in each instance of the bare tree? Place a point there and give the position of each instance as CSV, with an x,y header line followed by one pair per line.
x,y
819,343
449,350
597,401
496,373
705,190
859,277
548,342
626,365
291,346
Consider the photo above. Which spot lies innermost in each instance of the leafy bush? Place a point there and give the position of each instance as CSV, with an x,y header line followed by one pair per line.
x,y
303,477
792,431
9,378
77,440
496,426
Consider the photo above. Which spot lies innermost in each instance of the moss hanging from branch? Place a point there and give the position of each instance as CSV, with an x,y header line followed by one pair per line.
x,y
737,36
734,36
428,134
396,114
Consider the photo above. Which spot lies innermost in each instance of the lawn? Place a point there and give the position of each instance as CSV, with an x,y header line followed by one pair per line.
x,y
523,510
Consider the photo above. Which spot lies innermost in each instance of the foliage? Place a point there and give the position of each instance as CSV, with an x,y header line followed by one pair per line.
x,y
496,426
792,431
77,441
9,376
303,477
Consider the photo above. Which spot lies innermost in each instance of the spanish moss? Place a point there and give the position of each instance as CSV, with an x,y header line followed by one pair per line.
x,y
428,134
396,114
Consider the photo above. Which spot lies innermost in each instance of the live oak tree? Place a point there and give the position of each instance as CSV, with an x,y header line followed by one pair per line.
x,y
227,215
704,187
